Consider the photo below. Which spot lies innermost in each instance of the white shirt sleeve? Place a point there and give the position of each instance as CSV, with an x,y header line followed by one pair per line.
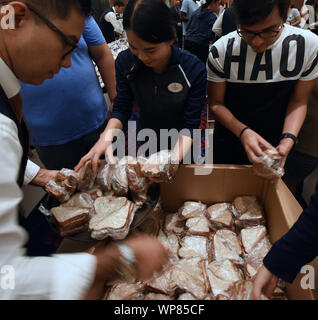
x,y
215,69
31,171
111,17
217,27
57,277
311,57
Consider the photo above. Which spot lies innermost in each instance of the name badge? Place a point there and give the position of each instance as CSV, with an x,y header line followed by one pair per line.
x,y
175,87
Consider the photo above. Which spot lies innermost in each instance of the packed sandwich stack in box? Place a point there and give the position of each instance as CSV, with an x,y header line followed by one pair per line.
x,y
214,253
105,203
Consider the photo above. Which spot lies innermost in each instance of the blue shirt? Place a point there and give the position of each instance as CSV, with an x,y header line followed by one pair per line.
x,y
188,7
71,104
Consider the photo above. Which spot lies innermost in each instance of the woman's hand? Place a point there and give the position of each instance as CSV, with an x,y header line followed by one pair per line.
x,y
254,145
101,147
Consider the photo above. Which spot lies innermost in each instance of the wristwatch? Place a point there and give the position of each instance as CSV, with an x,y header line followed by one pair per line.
x,y
127,268
289,135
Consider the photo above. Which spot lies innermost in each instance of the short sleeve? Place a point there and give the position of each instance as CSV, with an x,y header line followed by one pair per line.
x,y
296,13
215,64
92,34
184,7
311,68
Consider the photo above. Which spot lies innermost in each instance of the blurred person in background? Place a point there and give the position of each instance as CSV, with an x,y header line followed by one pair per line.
x,y
175,9
225,23
199,30
109,22
187,9
293,17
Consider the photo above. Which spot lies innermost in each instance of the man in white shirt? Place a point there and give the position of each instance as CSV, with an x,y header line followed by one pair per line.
x,y
224,4
45,34
259,81
109,22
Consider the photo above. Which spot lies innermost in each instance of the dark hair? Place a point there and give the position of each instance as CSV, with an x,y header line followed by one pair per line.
x,y
57,8
151,20
208,2
249,12
119,4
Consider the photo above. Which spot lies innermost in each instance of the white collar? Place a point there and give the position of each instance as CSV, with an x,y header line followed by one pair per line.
x,y
114,9
8,81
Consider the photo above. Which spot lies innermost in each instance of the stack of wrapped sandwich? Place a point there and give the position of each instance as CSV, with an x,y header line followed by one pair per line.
x,y
214,253
99,203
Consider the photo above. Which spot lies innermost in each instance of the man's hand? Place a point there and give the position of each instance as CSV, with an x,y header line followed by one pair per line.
x,y
43,177
284,148
150,254
254,145
264,282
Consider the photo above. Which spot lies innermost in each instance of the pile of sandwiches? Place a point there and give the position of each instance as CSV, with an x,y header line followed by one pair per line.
x,y
99,202
214,253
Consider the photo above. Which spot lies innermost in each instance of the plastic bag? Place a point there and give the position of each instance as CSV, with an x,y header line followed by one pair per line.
x,y
162,166
247,212
86,177
269,165
192,209
118,177
138,184
103,177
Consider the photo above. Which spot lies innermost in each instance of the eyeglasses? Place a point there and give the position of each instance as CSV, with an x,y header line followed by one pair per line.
x,y
66,40
249,35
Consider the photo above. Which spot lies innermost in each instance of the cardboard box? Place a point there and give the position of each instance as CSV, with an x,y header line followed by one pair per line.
x,y
224,184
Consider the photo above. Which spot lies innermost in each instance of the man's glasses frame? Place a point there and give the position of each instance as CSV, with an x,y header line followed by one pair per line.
x,y
245,34
66,40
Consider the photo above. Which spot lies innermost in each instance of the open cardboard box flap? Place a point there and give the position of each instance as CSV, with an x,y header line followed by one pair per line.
x,y
221,183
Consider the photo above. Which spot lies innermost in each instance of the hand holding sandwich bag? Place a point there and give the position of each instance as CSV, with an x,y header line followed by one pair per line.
x,y
139,256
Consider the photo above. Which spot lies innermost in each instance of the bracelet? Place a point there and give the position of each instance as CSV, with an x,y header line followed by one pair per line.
x,y
127,268
243,132
289,135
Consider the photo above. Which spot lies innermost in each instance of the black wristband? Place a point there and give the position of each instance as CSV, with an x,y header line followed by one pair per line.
x,y
243,132
289,135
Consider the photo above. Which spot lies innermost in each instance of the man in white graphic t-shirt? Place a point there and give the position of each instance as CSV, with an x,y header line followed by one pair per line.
x,y
259,81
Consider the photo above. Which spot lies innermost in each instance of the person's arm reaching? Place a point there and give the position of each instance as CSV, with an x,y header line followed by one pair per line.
x,y
295,249
121,113
252,142
103,145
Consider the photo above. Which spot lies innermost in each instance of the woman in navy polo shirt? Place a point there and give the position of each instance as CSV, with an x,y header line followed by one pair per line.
x,y
167,83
